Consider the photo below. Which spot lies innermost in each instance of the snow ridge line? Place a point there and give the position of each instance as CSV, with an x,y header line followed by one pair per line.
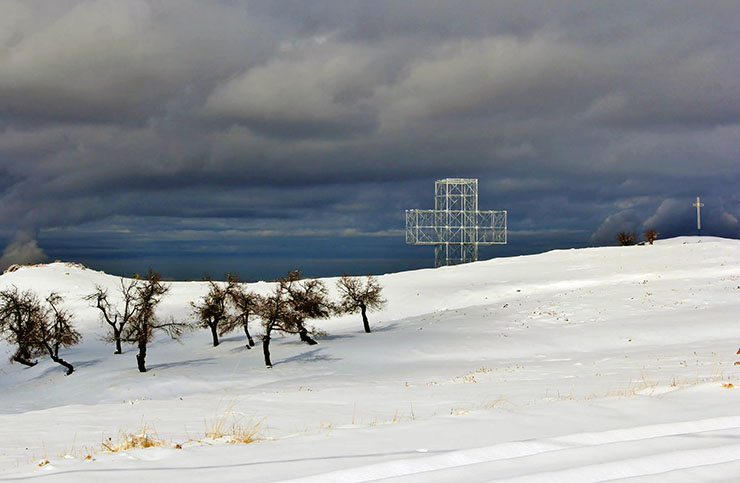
x,y
653,464
517,449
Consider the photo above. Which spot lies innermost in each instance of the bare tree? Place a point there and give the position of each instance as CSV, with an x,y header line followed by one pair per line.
x,y
289,306
245,302
141,328
55,331
356,296
308,299
117,319
626,239
20,313
35,329
213,312
651,235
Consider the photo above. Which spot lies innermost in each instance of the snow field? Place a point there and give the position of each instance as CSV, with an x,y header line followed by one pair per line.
x,y
575,365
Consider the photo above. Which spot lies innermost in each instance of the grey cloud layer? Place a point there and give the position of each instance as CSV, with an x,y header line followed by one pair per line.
x,y
578,114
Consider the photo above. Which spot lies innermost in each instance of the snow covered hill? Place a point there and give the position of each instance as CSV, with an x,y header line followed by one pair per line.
x,y
571,365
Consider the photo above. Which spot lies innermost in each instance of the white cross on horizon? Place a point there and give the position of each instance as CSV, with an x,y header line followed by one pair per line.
x,y
698,205
456,227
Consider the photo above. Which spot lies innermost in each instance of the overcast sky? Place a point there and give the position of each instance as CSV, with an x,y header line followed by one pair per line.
x,y
255,137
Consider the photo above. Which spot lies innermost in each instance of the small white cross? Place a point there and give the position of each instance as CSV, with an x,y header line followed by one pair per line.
x,y
698,205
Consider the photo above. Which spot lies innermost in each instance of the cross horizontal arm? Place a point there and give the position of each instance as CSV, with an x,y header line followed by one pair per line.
x,y
433,227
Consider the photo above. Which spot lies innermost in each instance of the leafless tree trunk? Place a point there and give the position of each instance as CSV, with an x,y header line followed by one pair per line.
x,y
303,335
266,350
56,331
23,358
214,334
245,302
365,322
250,341
70,368
141,356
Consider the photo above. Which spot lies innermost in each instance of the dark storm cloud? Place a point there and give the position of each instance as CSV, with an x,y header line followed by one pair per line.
x,y
324,118
22,249
118,61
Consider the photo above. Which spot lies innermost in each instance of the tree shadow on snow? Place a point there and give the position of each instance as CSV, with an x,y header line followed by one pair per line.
x,y
237,338
191,362
89,363
310,356
243,348
56,368
384,328
335,337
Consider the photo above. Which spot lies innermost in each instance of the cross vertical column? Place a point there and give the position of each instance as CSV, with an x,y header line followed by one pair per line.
x,y
698,205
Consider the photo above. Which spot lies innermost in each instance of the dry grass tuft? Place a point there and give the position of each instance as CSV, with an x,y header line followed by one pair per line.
x,y
459,411
328,427
139,440
500,403
233,429
83,453
245,434
645,386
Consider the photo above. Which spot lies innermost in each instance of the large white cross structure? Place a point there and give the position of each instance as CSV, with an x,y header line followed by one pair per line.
x,y
455,226
698,205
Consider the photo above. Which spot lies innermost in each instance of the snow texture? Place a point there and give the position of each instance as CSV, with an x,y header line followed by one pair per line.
x,y
572,365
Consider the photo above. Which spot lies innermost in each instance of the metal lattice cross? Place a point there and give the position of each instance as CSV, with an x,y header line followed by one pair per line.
x,y
455,226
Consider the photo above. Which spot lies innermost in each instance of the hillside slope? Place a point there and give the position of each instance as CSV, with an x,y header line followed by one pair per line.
x,y
576,365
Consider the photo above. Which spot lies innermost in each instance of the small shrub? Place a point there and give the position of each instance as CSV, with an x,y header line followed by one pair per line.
x,y
651,235
626,239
